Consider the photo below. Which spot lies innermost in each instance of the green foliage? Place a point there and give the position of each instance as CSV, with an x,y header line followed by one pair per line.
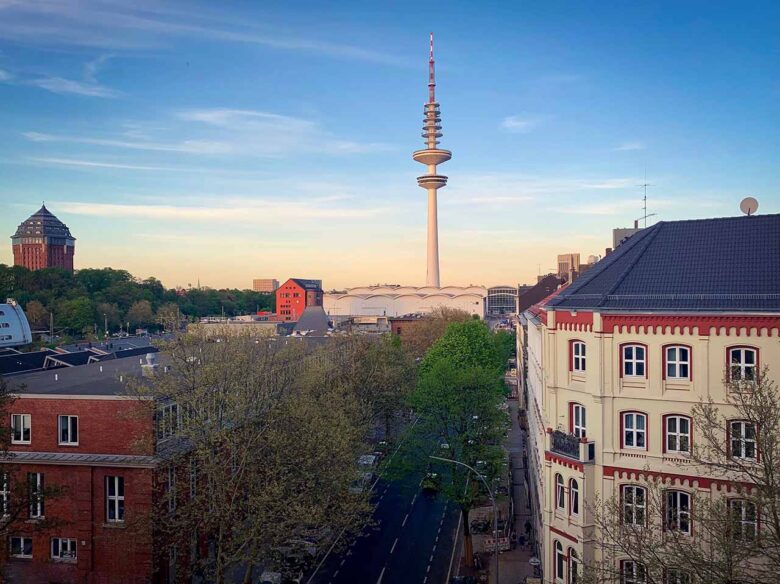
x,y
54,290
465,345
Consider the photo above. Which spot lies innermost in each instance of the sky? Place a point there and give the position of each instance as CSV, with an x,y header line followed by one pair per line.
x,y
225,141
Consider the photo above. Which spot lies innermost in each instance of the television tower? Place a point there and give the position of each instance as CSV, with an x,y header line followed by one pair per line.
x,y
430,181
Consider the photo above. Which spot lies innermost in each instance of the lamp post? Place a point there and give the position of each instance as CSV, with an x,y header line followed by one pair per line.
x,y
492,500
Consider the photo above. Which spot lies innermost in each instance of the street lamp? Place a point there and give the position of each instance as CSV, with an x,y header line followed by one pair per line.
x,y
492,500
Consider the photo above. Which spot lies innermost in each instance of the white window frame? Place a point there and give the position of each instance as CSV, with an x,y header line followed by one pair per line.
x,y
741,438
168,421
21,553
35,486
675,576
574,497
748,528
634,360
560,492
559,562
677,512
677,435
634,431
638,573
638,510
738,370
574,567
675,365
578,420
71,430
5,494
578,357
63,549
115,501
22,418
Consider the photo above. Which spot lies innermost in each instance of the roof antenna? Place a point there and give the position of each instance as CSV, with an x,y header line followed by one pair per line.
x,y
431,76
748,206
644,185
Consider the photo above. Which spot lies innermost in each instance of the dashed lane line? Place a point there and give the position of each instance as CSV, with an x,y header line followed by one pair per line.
x,y
344,561
392,549
381,575
405,518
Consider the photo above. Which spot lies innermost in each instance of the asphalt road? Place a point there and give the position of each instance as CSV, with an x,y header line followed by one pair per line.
x,y
410,540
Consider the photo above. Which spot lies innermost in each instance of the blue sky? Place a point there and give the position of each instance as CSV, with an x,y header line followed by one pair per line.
x,y
232,140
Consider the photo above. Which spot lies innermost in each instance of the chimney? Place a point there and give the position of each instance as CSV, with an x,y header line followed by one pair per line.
x,y
607,251
148,368
636,223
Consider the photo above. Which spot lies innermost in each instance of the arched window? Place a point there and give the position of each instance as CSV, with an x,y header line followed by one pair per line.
x,y
634,358
574,567
678,511
560,562
677,430
577,360
633,500
742,439
577,420
560,493
744,518
634,430
742,363
632,572
677,362
574,497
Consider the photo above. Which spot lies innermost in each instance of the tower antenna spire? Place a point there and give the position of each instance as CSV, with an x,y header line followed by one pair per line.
x,y
431,77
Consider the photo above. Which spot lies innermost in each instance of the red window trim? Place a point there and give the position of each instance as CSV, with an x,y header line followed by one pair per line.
x,y
647,357
647,428
728,438
664,526
728,358
555,491
571,354
571,416
622,499
579,498
690,360
758,514
663,430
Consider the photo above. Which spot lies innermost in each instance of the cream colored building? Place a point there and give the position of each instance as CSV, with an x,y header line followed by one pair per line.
x,y
616,361
403,300
268,285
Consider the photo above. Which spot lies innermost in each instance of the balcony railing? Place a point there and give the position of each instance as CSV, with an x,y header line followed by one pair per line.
x,y
572,447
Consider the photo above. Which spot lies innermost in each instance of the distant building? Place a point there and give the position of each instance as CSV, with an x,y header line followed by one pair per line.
x,y
541,290
403,300
567,263
265,285
295,295
14,328
43,241
620,234
501,300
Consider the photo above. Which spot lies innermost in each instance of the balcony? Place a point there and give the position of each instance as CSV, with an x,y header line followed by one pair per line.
x,y
570,446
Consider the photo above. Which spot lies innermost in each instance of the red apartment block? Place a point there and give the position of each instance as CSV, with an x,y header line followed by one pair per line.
x,y
295,295
43,241
75,429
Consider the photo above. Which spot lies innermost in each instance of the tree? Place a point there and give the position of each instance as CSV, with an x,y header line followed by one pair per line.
x,y
737,533
457,402
37,314
430,328
169,316
76,315
140,313
258,447
109,315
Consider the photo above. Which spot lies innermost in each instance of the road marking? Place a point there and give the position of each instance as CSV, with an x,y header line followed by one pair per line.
x,y
437,538
335,574
434,549
344,561
428,569
405,518
392,549
381,576
430,559
425,579
414,499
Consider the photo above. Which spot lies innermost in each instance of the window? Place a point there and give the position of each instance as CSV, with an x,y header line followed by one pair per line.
x,y
678,434
678,362
560,501
560,562
743,514
634,505
21,425
21,547
574,567
5,494
574,497
634,361
63,548
115,499
742,364
678,511
69,430
578,420
167,420
632,572
578,356
634,430
35,493
743,440
674,576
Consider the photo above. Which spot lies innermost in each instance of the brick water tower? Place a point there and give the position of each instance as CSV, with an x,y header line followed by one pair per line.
x,y
43,241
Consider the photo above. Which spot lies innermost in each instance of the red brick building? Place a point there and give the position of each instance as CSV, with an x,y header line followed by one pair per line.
x,y
295,295
79,440
43,241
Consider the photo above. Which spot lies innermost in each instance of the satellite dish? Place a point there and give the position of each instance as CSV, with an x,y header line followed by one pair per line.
x,y
749,205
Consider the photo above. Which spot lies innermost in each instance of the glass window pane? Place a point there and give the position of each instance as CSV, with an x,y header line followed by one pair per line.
x,y
684,425
640,368
640,440
640,422
671,354
671,424
628,353
750,357
640,353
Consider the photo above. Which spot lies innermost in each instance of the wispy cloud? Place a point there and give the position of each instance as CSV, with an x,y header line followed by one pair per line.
x,y
61,85
628,146
98,164
187,146
238,211
5,75
520,124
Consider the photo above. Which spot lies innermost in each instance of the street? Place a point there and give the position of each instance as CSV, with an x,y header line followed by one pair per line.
x,y
410,539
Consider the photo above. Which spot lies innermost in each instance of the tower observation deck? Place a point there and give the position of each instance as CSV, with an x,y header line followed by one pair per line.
x,y
431,156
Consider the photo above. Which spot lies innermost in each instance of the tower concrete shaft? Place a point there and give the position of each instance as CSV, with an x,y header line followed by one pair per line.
x,y
432,156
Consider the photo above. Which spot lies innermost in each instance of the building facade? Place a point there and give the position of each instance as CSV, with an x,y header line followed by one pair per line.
x,y
43,241
394,301
295,295
268,285
78,479
501,300
14,328
616,361
568,263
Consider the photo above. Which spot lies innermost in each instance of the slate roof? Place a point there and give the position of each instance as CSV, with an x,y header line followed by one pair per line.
x,y
43,223
313,321
706,265
20,362
307,284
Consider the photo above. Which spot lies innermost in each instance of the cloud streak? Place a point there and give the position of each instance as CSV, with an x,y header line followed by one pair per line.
x,y
80,163
629,146
519,124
